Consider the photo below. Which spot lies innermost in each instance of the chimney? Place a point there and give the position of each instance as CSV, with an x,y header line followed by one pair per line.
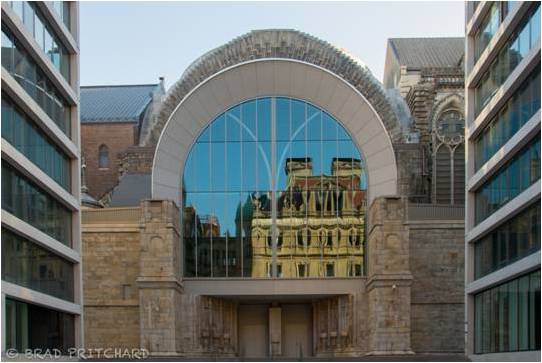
x,y
346,167
299,166
162,84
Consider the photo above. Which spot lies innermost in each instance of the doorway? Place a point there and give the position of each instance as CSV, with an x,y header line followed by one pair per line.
x,y
253,331
295,331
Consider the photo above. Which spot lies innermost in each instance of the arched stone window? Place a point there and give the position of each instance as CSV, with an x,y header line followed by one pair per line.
x,y
103,156
448,158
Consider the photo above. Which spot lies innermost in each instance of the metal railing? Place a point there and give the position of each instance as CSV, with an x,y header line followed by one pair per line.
x,y
424,212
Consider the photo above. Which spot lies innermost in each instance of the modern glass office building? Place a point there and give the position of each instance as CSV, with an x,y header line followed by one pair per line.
x,y
503,180
41,246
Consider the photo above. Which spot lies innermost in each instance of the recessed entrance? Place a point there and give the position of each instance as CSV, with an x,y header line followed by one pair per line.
x,y
273,330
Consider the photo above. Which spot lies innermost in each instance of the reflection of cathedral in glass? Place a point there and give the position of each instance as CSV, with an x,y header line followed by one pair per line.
x,y
274,182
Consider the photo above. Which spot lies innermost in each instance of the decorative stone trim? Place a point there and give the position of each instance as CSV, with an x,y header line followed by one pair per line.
x,y
276,43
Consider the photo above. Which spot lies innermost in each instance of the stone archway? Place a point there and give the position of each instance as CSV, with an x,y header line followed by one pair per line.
x,y
273,77
288,64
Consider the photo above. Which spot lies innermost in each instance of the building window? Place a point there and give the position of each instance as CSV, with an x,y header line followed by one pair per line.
x,y
31,78
302,270
62,8
228,175
103,157
511,54
511,117
489,25
513,178
27,264
23,134
28,202
330,270
47,40
448,159
354,269
513,240
33,327
507,317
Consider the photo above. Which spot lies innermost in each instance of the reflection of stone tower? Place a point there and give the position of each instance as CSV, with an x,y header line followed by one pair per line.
x,y
320,223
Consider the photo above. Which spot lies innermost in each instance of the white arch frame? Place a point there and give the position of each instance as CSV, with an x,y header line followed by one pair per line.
x,y
273,77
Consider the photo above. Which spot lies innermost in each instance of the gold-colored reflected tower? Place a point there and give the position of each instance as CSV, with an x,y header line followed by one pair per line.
x,y
319,226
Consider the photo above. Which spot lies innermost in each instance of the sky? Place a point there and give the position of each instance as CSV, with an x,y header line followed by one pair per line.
x,y
137,42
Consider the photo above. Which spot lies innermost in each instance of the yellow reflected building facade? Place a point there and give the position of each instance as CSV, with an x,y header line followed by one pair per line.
x,y
320,224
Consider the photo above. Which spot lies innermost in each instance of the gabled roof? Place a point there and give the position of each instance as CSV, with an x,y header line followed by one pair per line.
x,y
115,103
132,188
428,52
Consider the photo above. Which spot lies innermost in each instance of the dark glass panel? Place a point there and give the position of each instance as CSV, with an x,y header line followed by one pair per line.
x,y
497,191
37,328
26,264
516,48
22,133
507,316
28,202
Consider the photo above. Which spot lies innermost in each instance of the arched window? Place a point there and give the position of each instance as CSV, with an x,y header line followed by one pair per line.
x,y
448,158
256,166
103,156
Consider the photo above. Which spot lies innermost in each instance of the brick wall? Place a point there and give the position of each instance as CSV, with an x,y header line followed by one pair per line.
x,y
117,137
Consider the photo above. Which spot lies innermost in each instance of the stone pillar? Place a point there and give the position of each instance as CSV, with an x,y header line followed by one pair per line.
x,y
159,277
275,331
389,278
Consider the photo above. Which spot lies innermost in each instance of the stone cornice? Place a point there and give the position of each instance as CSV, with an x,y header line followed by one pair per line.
x,y
159,282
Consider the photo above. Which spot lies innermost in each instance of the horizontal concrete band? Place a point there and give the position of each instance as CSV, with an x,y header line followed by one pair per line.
x,y
38,298
261,288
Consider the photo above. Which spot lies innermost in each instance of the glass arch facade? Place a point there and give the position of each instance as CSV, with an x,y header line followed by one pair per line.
x,y
274,187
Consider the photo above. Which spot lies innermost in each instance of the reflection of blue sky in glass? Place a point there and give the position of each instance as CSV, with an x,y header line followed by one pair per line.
x,y
232,158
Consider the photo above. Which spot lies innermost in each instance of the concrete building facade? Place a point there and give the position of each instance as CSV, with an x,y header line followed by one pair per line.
x,y
502,216
276,225
41,245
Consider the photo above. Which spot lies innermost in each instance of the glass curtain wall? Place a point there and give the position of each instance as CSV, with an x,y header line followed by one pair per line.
x,y
62,8
494,17
23,134
33,327
515,239
35,23
513,178
507,317
274,187
511,117
511,54
28,202
34,81
26,264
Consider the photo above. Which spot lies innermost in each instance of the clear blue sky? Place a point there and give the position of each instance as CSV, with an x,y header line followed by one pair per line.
x,y
136,42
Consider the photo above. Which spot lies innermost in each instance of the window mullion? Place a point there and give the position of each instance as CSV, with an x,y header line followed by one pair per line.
x,y
273,189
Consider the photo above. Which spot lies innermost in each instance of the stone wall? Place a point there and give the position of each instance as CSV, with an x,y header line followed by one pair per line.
x,y
109,326
388,278
117,137
136,159
110,269
412,299
437,266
